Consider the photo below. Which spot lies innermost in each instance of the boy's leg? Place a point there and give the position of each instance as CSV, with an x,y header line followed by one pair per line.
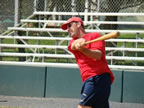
x,y
80,106
95,92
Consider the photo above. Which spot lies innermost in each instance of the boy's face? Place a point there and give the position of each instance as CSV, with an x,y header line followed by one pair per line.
x,y
73,29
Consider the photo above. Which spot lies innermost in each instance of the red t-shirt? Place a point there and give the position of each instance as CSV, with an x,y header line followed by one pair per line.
x,y
90,67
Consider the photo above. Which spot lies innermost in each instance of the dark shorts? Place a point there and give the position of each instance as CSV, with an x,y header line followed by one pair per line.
x,y
95,91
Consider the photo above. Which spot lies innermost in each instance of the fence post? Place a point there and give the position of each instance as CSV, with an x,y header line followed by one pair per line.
x,y
16,15
86,11
45,5
35,5
98,5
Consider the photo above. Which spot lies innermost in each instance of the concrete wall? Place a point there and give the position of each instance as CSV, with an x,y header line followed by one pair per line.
x,y
65,82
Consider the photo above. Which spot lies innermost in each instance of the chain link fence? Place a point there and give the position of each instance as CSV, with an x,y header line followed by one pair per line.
x,y
7,12
90,5
27,7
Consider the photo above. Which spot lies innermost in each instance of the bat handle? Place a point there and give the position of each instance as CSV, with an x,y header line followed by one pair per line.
x,y
105,37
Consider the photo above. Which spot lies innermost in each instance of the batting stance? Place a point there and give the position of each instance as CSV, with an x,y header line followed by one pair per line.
x,y
95,73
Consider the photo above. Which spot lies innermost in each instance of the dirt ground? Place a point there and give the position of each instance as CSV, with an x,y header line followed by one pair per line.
x,y
36,102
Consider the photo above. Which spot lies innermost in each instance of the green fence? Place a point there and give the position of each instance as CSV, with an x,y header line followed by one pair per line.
x,y
66,83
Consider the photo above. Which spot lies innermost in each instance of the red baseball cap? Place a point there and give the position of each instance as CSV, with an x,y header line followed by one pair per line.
x,y
73,19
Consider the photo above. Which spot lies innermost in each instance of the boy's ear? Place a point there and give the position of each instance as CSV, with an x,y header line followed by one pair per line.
x,y
79,24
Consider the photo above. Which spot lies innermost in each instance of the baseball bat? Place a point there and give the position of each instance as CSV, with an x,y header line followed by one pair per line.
x,y
105,37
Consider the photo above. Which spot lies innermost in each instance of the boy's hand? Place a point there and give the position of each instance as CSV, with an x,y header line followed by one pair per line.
x,y
78,44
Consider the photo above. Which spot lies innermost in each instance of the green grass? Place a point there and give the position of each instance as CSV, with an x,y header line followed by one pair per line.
x,y
52,51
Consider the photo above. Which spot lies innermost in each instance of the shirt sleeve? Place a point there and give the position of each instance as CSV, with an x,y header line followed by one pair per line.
x,y
99,45
69,46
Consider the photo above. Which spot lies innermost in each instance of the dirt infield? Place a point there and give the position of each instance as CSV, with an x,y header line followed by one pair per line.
x,y
35,102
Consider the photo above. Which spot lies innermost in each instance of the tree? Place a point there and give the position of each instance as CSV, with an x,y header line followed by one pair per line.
x,y
6,7
20,33
116,6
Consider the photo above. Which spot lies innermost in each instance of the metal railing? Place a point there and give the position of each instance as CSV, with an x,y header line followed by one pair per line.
x,y
125,53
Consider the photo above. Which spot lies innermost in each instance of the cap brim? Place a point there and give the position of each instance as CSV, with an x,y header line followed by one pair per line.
x,y
64,26
73,19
